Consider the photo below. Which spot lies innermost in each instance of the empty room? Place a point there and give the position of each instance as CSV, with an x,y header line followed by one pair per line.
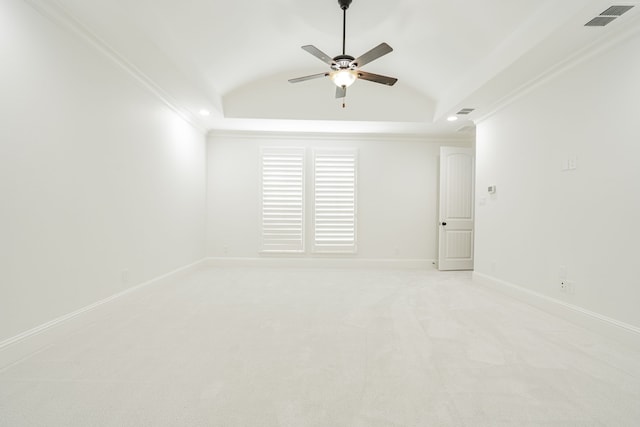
x,y
319,213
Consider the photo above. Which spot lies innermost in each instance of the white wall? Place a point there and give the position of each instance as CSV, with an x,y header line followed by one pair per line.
x,y
586,219
97,176
397,193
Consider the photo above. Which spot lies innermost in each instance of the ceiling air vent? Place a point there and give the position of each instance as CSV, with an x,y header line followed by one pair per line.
x,y
608,16
600,21
466,111
616,10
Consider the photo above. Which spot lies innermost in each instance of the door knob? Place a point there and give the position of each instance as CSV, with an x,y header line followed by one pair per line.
x,y
444,223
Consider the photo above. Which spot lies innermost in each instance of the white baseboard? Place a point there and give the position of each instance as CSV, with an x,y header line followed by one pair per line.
x,y
19,346
620,331
272,261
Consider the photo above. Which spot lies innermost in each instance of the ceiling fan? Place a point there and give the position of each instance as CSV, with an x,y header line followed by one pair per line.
x,y
345,69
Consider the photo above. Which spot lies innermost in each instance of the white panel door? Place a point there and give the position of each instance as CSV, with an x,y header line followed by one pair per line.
x,y
455,244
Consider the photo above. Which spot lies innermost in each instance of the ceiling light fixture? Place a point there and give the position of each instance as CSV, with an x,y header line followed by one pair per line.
x,y
345,69
205,113
452,118
343,78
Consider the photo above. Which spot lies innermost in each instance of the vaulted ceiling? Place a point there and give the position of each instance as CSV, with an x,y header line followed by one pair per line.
x,y
234,58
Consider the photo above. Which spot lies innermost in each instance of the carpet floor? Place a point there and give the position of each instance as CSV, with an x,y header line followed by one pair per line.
x,y
327,348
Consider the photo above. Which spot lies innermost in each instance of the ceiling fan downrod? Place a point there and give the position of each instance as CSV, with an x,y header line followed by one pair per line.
x,y
344,5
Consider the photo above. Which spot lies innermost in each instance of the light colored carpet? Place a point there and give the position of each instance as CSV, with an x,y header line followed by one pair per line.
x,y
327,348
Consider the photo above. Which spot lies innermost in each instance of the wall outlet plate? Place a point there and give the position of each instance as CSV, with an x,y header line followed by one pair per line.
x,y
567,287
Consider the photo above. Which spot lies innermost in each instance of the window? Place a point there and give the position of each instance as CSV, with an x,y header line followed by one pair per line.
x,y
334,210
283,199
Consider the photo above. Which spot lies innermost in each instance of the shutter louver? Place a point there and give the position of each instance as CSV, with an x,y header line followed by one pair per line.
x,y
335,201
282,200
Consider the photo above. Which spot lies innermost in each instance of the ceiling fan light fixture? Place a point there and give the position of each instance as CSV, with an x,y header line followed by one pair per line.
x,y
343,78
345,69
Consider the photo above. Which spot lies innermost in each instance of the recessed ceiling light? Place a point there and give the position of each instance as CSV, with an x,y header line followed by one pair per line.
x,y
452,118
204,113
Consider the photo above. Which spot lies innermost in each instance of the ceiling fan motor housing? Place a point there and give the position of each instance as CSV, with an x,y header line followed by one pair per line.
x,y
344,62
344,4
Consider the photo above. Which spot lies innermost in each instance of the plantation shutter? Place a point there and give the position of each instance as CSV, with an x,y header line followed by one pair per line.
x,y
282,199
334,213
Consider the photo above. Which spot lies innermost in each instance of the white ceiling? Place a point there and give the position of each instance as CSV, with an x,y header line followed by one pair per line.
x,y
234,57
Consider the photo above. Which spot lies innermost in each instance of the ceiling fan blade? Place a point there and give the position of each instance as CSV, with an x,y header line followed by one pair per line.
x,y
377,78
305,78
375,53
318,54
341,92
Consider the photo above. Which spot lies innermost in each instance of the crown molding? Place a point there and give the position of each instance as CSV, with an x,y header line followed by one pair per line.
x,y
57,14
590,51
336,136
329,129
